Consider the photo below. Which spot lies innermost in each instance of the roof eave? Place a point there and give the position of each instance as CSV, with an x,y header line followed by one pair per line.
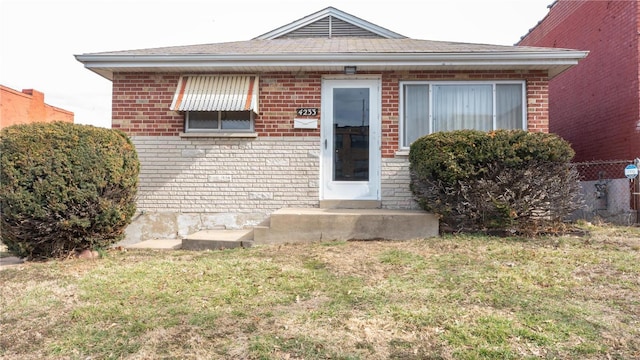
x,y
555,61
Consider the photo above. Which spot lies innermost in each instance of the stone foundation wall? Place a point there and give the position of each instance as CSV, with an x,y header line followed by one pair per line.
x,y
189,184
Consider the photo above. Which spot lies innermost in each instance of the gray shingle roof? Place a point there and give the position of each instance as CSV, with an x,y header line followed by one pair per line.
x,y
276,51
328,46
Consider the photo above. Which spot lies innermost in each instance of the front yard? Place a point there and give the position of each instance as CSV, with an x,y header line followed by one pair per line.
x,y
457,297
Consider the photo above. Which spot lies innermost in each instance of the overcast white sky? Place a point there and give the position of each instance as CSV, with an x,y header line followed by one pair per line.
x,y
39,38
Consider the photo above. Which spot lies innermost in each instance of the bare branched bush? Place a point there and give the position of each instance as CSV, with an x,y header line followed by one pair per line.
x,y
510,181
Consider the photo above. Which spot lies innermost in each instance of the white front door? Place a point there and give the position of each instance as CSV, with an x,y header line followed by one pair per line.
x,y
350,148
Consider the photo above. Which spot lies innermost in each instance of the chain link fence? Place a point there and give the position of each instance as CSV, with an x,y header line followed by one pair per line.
x,y
607,193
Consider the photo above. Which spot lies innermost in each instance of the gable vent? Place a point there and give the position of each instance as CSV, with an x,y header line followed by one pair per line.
x,y
329,27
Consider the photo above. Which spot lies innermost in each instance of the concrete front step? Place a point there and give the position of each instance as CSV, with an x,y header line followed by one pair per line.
x,y
317,224
297,225
218,239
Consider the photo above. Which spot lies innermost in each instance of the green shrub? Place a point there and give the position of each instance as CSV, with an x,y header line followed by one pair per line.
x,y
65,187
509,180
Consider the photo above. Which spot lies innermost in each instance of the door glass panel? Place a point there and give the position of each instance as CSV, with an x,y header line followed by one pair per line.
x,y
351,134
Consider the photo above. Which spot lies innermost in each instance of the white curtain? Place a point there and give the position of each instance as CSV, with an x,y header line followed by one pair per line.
x,y
416,112
457,107
509,106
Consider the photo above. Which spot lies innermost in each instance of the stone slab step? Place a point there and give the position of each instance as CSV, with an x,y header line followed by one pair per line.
x,y
218,239
10,260
157,244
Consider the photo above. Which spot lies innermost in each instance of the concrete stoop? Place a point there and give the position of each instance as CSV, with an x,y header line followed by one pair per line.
x,y
299,225
291,225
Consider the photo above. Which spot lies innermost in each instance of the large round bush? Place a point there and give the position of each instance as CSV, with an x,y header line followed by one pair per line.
x,y
65,187
509,180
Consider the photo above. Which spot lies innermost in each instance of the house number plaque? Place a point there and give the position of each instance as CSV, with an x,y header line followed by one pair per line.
x,y
307,111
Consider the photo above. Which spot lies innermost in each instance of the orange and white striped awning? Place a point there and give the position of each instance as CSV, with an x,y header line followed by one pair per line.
x,y
216,93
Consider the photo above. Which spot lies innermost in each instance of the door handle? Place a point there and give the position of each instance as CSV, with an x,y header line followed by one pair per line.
x,y
325,144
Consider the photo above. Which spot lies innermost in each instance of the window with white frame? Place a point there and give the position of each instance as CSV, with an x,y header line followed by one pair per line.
x,y
427,107
218,121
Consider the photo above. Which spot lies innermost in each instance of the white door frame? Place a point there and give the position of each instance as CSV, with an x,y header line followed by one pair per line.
x,y
330,188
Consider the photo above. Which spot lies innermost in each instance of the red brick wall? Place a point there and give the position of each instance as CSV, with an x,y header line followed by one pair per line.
x,y
280,95
140,104
28,107
141,101
596,104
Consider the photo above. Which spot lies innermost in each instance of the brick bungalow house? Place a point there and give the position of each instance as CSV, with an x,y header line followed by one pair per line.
x,y
596,104
318,113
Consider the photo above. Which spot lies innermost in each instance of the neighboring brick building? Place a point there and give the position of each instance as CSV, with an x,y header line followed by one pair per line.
x,y
28,106
318,112
596,104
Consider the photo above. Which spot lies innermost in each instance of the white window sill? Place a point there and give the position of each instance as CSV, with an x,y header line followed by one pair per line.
x,y
213,134
402,153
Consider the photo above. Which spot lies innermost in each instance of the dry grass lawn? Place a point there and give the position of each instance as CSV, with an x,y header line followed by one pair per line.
x,y
456,297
